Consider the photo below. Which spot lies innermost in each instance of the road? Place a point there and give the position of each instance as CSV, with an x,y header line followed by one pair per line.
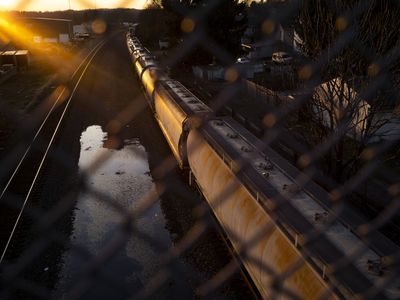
x,y
109,122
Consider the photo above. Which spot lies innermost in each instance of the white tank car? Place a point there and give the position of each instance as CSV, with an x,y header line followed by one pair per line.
x,y
261,207
176,108
266,215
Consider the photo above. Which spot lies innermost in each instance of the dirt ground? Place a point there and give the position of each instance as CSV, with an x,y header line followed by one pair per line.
x,y
21,94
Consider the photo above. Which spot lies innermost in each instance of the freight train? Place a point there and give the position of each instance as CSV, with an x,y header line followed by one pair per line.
x,y
266,207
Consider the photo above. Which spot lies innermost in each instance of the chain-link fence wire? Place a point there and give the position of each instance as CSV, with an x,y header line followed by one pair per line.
x,y
339,192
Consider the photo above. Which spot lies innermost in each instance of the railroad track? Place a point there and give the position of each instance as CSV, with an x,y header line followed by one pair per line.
x,y
22,183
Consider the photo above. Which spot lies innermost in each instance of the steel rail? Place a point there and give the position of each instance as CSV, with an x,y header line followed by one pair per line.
x,y
43,123
92,55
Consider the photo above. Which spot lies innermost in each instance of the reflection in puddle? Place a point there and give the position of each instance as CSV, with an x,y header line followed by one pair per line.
x,y
123,177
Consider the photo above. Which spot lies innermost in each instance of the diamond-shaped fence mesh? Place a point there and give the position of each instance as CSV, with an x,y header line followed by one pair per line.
x,y
209,149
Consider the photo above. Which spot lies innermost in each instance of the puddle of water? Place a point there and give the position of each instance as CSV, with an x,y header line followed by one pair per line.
x,y
125,178
122,175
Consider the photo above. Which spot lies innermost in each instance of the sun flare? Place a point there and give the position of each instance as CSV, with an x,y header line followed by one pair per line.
x,y
52,5
4,4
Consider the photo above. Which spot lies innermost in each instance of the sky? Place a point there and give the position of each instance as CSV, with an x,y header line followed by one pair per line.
x,y
49,5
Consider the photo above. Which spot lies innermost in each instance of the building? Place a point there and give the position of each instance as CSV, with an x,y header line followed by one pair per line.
x,y
82,30
264,34
377,119
17,58
8,58
211,72
215,72
45,30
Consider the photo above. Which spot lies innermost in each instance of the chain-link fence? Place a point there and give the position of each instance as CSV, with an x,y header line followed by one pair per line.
x,y
281,127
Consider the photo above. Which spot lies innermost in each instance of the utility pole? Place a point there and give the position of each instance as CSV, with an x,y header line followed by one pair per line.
x,y
71,12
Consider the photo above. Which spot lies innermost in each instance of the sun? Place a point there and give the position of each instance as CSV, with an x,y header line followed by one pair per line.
x,y
6,4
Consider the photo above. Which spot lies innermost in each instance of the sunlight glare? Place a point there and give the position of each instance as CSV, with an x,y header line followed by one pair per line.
x,y
51,5
7,4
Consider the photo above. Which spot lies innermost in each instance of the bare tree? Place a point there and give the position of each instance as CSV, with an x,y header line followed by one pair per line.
x,y
153,4
338,112
339,108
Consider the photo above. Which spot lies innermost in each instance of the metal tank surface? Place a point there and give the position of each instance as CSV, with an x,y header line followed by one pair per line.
x,y
173,106
171,118
264,250
215,154
150,78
